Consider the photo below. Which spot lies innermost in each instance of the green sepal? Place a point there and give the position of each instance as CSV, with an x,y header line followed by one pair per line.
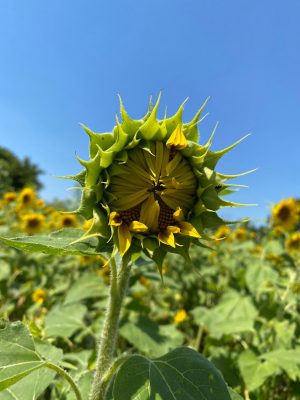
x,y
100,225
130,126
191,127
92,169
182,248
80,177
214,156
176,119
102,140
87,203
150,130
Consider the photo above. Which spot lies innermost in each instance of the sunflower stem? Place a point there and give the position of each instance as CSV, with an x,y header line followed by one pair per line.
x,y
118,284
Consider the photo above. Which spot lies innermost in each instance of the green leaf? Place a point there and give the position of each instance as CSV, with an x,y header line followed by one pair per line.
x,y
149,337
287,360
4,270
87,286
30,387
234,395
260,276
65,320
254,370
234,313
18,356
58,243
182,374
84,383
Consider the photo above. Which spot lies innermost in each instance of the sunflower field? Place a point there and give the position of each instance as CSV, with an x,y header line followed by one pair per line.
x,y
237,303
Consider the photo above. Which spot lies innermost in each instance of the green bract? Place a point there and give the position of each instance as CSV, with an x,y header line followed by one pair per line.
x,y
150,186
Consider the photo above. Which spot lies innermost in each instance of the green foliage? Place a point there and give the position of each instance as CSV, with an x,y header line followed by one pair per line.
x,y
15,174
181,374
58,243
241,312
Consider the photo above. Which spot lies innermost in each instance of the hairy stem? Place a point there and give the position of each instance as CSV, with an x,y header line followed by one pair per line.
x,y
118,285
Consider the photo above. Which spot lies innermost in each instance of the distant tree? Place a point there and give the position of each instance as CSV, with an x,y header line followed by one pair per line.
x,y
15,174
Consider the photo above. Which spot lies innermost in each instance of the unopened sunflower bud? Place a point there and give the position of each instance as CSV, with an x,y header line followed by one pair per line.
x,y
152,184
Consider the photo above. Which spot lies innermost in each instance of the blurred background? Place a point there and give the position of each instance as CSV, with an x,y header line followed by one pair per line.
x,y
63,63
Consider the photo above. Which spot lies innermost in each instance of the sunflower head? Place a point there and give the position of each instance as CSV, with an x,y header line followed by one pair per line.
x,y
150,186
286,214
222,232
240,234
26,198
32,223
38,296
180,316
292,243
9,197
67,221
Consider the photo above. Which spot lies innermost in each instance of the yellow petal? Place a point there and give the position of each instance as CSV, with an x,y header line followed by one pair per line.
x,y
129,200
115,219
150,213
167,237
125,238
173,229
178,214
177,139
136,226
188,229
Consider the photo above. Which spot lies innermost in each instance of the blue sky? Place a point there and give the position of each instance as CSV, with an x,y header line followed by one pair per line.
x,y
63,62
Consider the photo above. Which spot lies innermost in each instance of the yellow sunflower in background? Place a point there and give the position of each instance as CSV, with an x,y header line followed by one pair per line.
x,y
9,197
32,223
26,198
239,234
40,203
292,243
180,316
286,214
67,221
222,232
38,296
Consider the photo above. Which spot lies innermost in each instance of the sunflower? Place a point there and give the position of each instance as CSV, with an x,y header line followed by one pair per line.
x,y
9,197
285,214
222,232
149,186
38,296
67,221
292,243
180,316
26,198
32,223
40,203
239,234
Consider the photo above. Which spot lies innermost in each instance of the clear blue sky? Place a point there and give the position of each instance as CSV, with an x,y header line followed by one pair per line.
x,y
63,62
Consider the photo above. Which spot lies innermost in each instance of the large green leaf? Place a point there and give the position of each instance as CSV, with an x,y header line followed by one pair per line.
x,y
182,374
234,313
87,286
30,387
64,320
58,243
149,337
18,356
254,370
260,277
